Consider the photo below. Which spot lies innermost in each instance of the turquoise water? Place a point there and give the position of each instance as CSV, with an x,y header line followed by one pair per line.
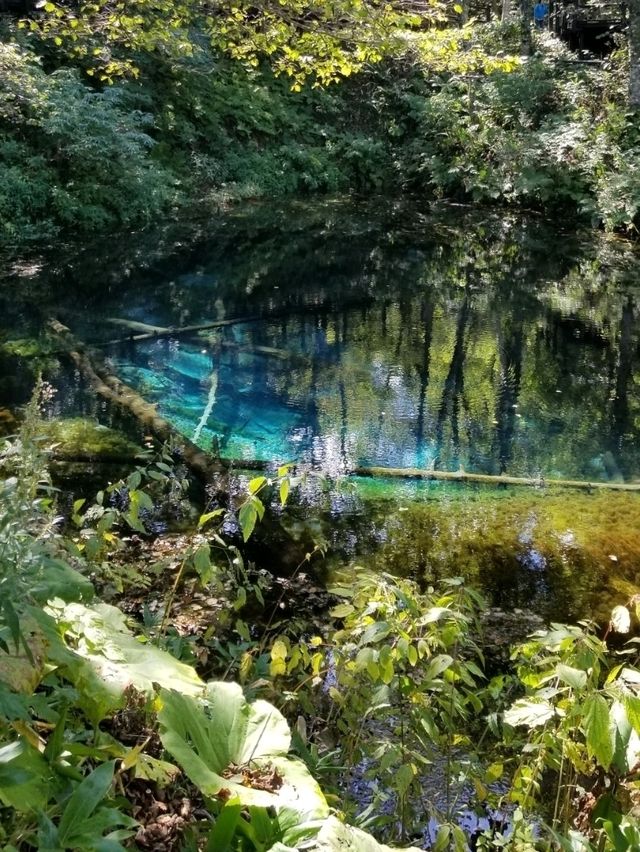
x,y
380,334
487,343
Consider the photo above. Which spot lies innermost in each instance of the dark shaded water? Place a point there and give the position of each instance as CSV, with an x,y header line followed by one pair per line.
x,y
382,335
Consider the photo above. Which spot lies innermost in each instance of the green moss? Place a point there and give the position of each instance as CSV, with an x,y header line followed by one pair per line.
x,y
81,436
27,347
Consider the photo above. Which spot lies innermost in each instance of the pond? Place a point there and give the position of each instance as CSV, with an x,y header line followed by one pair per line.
x,y
341,334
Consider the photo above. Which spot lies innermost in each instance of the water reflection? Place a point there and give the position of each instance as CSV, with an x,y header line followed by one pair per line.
x,y
378,334
492,345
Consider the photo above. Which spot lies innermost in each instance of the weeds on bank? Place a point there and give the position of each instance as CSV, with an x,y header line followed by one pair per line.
x,y
389,706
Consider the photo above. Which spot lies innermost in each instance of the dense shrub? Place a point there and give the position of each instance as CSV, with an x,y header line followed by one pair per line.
x,y
72,157
550,134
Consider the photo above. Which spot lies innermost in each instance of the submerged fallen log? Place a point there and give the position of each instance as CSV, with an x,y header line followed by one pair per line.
x,y
140,327
176,332
268,351
490,479
109,387
144,331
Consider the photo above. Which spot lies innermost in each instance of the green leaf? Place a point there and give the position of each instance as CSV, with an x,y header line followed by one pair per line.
x,y
247,517
12,622
224,830
12,706
575,678
256,484
202,563
375,632
209,516
26,780
335,836
437,665
279,650
597,729
85,799
403,778
531,712
342,610
284,490
150,768
631,704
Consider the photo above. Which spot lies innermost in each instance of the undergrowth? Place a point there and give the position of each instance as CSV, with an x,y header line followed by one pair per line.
x,y
387,704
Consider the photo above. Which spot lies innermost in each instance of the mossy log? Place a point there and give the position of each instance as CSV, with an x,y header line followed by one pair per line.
x,y
489,479
109,387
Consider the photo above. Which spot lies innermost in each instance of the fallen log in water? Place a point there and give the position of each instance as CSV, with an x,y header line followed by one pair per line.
x,y
140,327
489,479
110,387
148,332
205,465
141,331
176,332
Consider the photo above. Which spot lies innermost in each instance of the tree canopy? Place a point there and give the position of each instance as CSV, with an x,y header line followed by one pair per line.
x,y
300,38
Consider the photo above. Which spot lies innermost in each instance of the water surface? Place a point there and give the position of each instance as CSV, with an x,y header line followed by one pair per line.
x,y
489,343
383,334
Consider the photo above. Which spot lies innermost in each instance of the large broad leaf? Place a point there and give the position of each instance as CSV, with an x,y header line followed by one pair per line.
x,y
598,730
102,658
335,836
60,580
229,747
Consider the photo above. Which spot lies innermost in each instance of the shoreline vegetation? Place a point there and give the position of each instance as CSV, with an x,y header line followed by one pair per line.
x,y
217,710
454,114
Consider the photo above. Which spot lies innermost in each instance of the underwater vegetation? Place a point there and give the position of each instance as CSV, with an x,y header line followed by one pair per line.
x,y
562,554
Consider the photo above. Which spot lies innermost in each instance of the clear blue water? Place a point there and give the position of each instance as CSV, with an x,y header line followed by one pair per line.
x,y
381,334
483,342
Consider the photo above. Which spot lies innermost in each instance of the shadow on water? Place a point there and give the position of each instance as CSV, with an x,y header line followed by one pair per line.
x,y
384,335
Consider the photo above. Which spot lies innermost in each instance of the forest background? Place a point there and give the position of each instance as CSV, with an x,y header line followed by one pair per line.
x,y
112,114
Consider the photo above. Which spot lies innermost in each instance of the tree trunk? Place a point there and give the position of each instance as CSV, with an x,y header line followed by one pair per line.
x,y
634,54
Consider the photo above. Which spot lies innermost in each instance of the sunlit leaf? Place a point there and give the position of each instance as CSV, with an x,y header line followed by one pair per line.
x,y
530,712
620,619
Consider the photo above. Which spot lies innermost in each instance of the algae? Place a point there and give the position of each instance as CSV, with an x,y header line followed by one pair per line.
x,y
562,554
